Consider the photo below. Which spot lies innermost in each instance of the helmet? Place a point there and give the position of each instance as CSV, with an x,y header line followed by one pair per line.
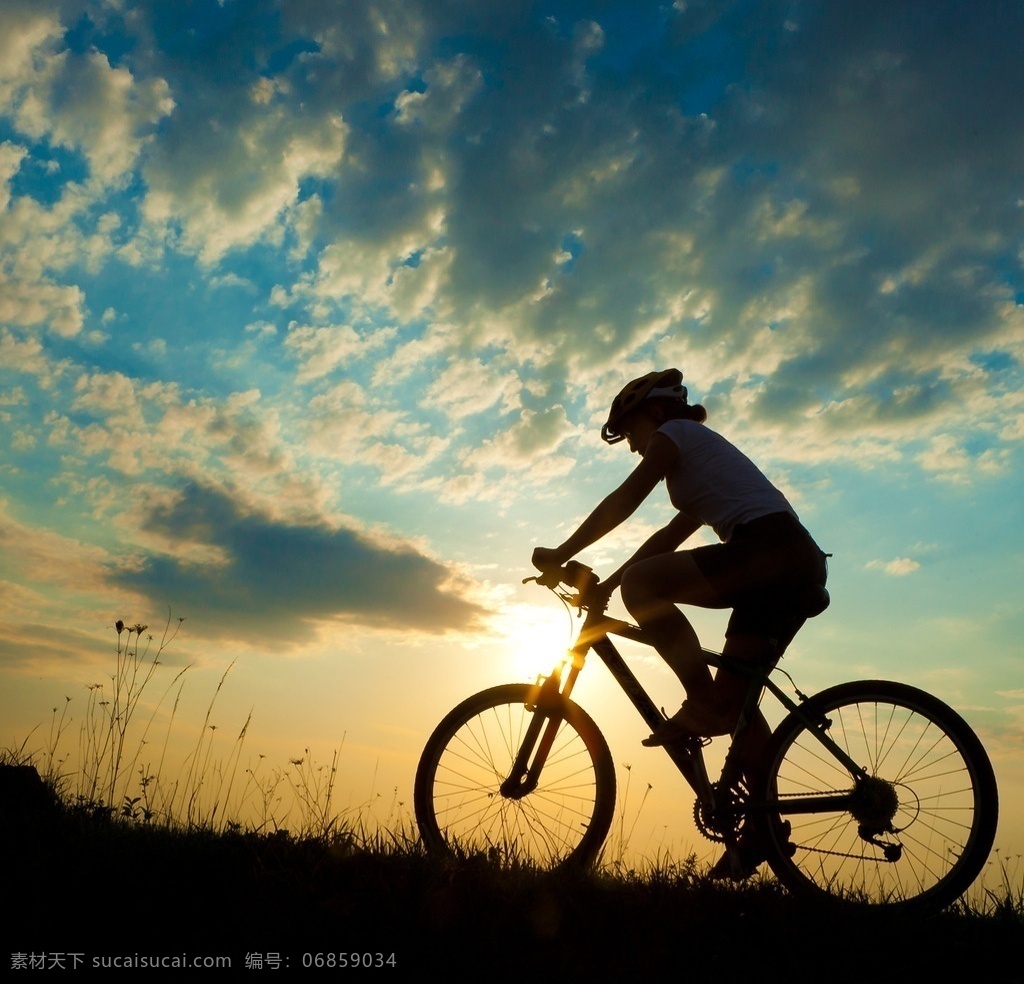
x,y
663,384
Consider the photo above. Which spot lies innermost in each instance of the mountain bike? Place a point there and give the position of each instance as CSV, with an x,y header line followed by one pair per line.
x,y
871,792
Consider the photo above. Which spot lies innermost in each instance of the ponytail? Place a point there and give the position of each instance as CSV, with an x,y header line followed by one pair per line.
x,y
681,410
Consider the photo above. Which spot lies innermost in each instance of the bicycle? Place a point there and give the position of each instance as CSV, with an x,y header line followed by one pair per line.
x,y
870,792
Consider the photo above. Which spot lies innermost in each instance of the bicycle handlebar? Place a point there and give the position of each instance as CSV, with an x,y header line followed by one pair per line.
x,y
573,575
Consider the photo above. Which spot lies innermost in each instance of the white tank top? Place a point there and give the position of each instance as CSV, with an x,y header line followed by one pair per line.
x,y
715,483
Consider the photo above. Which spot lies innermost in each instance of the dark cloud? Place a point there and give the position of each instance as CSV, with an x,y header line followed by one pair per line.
x,y
277,577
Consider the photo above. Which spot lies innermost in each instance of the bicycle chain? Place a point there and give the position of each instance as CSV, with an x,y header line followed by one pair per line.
x,y
842,854
715,837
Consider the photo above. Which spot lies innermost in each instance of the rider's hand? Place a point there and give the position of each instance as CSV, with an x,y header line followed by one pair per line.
x,y
545,558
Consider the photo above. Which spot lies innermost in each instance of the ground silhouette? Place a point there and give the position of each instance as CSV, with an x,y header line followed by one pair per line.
x,y
83,881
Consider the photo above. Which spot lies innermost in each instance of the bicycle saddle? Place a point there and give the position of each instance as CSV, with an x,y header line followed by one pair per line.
x,y
807,600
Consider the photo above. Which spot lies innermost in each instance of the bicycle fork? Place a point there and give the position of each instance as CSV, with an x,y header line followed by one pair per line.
x,y
546,701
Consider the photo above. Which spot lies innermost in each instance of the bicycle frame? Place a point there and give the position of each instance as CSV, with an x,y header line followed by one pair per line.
x,y
686,755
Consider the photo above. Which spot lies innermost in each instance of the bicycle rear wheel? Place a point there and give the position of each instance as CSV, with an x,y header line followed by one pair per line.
x,y
914,833
459,802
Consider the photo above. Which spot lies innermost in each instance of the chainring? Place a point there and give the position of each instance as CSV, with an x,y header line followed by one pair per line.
x,y
721,826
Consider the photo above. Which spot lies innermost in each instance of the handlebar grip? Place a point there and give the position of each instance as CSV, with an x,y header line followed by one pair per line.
x,y
550,578
574,574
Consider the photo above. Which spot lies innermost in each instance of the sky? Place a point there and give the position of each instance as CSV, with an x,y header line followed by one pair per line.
x,y
310,314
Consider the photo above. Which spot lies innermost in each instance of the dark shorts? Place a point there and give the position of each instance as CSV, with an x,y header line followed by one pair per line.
x,y
765,564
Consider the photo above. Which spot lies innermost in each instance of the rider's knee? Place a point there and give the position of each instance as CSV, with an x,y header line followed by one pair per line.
x,y
634,589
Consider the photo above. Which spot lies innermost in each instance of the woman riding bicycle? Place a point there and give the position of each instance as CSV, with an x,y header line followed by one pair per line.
x,y
764,565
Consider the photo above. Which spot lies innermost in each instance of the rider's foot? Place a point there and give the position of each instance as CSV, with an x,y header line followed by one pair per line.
x,y
688,722
748,853
738,863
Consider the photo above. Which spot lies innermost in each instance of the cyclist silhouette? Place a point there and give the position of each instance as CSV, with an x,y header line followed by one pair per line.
x,y
765,559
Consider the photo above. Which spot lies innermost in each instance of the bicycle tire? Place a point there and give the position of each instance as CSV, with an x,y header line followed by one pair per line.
x,y
937,782
459,805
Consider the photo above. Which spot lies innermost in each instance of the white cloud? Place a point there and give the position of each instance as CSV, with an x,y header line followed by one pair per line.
x,y
320,350
11,156
898,567
525,455
946,458
57,307
450,85
28,356
233,180
28,31
84,103
77,101
468,386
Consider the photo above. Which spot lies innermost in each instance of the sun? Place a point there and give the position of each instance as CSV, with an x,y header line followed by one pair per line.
x,y
532,639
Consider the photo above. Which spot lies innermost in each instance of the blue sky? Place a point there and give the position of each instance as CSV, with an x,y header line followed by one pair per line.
x,y
310,314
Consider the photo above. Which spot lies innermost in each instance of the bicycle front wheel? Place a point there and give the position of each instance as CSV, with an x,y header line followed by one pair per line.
x,y
912,832
459,799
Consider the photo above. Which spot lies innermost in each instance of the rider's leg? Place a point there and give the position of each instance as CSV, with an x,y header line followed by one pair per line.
x,y
650,591
731,691
743,858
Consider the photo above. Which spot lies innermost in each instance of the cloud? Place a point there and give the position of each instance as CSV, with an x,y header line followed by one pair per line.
x,y
233,175
823,258
946,458
75,100
815,254
321,350
898,567
58,307
466,387
476,222
28,31
278,578
141,427
45,557
26,356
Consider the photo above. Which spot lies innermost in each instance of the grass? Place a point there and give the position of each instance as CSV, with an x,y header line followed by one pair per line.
x,y
115,759
171,890
172,869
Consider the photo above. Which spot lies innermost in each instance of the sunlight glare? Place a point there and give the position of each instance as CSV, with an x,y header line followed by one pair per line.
x,y
532,639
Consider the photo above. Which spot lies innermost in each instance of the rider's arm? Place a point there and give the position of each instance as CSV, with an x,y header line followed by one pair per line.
x,y
659,457
667,539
